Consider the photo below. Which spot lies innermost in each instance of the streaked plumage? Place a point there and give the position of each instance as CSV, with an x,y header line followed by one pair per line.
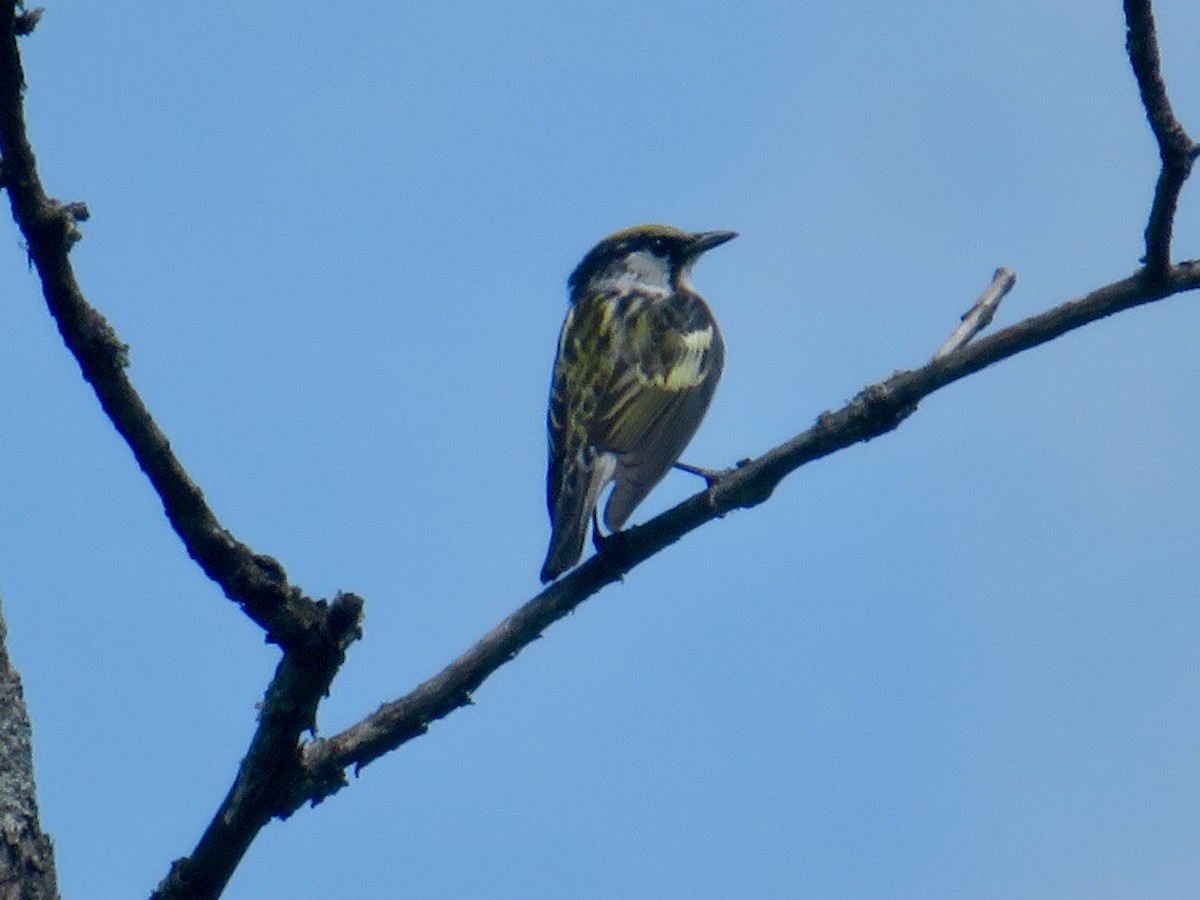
x,y
638,361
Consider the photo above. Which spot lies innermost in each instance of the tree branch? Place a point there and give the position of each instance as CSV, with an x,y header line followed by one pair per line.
x,y
314,634
876,410
1175,148
269,772
258,583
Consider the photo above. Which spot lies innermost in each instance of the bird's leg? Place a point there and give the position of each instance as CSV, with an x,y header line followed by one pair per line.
x,y
712,476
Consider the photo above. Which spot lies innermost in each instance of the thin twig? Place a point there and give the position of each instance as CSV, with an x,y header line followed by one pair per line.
x,y
979,316
1176,150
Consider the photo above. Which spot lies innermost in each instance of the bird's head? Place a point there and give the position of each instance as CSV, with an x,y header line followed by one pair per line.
x,y
655,257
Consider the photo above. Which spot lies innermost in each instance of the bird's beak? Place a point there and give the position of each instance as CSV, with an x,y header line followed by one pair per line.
x,y
706,240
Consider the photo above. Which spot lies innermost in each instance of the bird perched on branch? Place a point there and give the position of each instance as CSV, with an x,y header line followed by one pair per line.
x,y
638,361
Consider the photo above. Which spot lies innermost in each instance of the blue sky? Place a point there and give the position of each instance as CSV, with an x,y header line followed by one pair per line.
x,y
959,661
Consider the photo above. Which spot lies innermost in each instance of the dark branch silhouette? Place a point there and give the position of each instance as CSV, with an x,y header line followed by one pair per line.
x,y
876,410
279,773
313,634
257,583
1175,148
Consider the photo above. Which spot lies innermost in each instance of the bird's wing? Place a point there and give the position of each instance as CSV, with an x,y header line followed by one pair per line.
x,y
668,360
578,469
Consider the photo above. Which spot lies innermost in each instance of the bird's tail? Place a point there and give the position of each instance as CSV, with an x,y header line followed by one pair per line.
x,y
573,489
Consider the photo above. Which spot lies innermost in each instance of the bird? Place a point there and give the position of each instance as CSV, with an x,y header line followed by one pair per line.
x,y
638,361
